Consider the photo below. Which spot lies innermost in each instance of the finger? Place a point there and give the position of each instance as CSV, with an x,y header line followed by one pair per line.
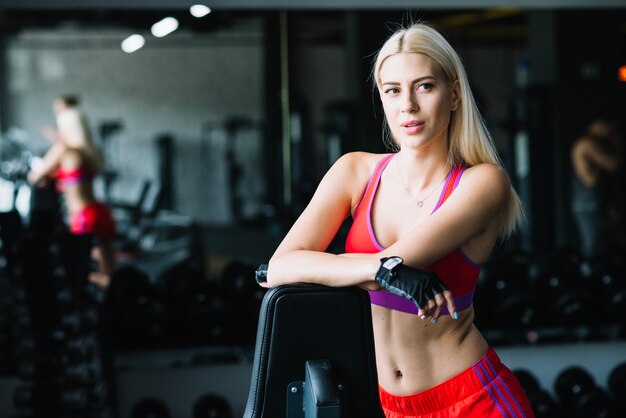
x,y
431,305
440,302
422,312
428,308
451,305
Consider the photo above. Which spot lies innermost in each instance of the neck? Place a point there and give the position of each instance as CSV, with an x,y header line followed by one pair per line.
x,y
420,172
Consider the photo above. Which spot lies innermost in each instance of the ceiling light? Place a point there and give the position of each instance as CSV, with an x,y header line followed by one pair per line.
x,y
199,10
164,27
133,43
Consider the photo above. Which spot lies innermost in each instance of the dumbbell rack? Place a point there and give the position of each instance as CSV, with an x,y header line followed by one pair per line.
x,y
62,357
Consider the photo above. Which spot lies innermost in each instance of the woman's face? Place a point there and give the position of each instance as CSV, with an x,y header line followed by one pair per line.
x,y
58,106
417,99
601,129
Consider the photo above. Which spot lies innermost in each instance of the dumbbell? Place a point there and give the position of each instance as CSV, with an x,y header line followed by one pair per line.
x,y
212,406
606,274
137,312
557,281
22,316
6,342
579,395
84,400
37,397
617,385
86,372
75,400
6,360
541,402
79,322
611,295
81,348
510,298
150,408
199,311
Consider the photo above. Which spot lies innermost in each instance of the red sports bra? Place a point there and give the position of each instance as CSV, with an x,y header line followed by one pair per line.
x,y
457,271
73,176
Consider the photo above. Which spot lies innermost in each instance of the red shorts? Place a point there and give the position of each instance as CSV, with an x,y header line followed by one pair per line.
x,y
488,389
95,219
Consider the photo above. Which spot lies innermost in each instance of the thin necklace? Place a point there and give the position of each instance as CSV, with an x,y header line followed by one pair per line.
x,y
420,202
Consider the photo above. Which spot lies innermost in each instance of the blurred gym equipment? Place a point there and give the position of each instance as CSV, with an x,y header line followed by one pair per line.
x,y
63,357
506,281
15,159
150,408
212,406
138,313
617,386
559,285
542,403
579,395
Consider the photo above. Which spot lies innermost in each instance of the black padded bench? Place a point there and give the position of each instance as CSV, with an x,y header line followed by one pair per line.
x,y
314,355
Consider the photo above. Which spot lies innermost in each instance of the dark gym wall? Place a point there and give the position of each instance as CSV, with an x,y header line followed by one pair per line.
x,y
574,57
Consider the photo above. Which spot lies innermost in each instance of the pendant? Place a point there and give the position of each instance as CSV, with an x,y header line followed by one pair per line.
x,y
420,203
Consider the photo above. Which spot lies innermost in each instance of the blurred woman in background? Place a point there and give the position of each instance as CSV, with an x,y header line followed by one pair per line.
x,y
73,161
596,158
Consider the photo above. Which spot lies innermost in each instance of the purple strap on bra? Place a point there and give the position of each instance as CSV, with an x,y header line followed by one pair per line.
x,y
399,303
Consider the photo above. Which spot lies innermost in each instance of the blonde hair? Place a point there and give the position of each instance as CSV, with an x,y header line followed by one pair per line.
x,y
469,141
75,130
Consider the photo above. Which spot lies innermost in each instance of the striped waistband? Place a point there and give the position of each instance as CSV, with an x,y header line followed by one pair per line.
x,y
486,376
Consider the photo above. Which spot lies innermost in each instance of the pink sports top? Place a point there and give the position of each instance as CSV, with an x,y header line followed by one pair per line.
x,y
73,176
457,271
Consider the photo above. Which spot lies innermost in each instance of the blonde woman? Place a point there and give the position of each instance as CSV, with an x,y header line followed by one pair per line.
x,y
425,218
73,162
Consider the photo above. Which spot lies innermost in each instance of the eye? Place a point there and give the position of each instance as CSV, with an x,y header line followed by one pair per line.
x,y
392,90
425,87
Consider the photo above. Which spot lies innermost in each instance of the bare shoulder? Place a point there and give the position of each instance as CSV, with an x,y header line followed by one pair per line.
x,y
359,160
582,145
488,180
350,174
355,166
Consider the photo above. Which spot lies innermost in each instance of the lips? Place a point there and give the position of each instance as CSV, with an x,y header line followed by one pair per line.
x,y
411,123
412,127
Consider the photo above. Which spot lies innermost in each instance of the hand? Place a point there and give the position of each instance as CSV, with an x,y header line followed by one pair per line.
x,y
260,275
50,133
424,288
370,286
35,179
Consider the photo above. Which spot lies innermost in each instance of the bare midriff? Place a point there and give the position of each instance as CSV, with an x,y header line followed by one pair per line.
x,y
78,196
413,354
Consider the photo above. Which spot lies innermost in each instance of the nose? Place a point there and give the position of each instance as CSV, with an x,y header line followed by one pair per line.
x,y
409,103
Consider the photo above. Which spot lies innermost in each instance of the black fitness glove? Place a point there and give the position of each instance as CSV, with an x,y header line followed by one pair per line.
x,y
260,274
419,286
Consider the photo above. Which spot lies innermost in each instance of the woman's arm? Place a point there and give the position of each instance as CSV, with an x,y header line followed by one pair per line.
x,y
301,257
474,208
587,158
50,162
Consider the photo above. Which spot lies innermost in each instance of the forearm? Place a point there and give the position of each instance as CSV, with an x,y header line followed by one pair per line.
x,y
48,165
321,268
